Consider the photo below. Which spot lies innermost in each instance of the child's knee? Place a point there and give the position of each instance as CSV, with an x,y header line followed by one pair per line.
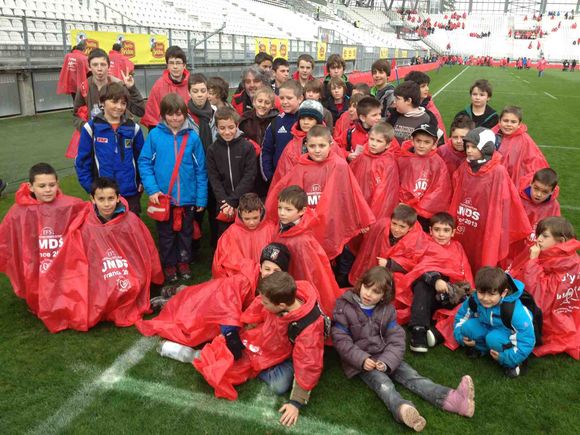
x,y
497,339
474,330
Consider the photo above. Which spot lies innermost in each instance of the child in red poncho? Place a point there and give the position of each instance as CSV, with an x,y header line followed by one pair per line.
x,y
354,139
424,180
485,203
284,349
540,196
32,234
520,154
245,239
332,190
453,151
347,119
552,276
310,262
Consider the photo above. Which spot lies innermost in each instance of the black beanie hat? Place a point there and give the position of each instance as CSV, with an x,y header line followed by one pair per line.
x,y
484,140
278,254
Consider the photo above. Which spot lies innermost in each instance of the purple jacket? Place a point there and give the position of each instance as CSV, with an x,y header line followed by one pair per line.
x,y
356,336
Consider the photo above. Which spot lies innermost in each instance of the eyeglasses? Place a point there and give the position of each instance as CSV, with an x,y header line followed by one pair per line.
x,y
175,62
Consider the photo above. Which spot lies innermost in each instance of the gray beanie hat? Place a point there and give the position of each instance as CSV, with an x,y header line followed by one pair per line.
x,y
484,139
311,108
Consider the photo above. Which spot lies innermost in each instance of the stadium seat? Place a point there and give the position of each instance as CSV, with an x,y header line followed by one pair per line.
x,y
16,38
4,38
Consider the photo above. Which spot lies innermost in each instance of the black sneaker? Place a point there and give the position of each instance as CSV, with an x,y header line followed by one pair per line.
x,y
170,274
472,352
434,337
513,372
418,339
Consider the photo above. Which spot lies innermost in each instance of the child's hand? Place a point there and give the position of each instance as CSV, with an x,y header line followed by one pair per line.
x,y
381,366
382,261
351,157
494,354
468,342
155,197
364,230
199,209
441,286
534,252
128,79
369,365
289,415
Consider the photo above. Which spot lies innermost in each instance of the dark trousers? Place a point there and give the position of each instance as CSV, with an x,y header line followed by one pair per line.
x,y
424,304
175,247
211,214
134,203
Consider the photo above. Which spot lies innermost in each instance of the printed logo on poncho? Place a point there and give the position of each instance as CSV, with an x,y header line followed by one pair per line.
x,y
115,266
49,244
421,184
568,298
467,215
314,195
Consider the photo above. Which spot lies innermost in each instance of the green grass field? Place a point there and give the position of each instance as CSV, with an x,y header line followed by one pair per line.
x,y
111,380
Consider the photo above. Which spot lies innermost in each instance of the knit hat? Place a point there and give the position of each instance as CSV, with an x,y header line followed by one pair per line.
x,y
311,108
278,254
430,129
484,139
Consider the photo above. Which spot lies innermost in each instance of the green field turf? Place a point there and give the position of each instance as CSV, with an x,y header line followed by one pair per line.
x,y
111,380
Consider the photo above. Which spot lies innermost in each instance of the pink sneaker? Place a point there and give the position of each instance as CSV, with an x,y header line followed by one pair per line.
x,y
411,418
461,400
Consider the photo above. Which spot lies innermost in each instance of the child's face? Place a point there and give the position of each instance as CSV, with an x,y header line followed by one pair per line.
x,y
423,143
282,74
372,118
271,306
198,94
399,228
472,152
370,295
114,109
175,66
318,148
312,95
352,112
489,300
306,123
106,201
441,233
267,268
288,101
251,219
336,71
44,187
457,136
377,143
479,98
424,90
304,69
540,192
379,78
263,104
403,106
266,66
509,123
227,129
287,213
99,68
337,92
546,240
175,120
213,97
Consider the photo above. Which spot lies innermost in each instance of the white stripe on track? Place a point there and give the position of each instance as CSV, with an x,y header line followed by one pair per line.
x,y
449,82
83,398
560,148
550,95
570,207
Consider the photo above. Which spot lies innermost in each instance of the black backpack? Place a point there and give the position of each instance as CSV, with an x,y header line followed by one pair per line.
x,y
296,327
507,310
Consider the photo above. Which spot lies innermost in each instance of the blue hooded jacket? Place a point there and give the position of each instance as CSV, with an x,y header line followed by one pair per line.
x,y
521,337
157,160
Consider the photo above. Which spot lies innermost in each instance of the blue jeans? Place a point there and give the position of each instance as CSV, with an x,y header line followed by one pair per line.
x,y
408,377
486,337
280,377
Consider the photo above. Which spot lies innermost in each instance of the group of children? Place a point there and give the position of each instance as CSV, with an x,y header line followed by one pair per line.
x,y
418,229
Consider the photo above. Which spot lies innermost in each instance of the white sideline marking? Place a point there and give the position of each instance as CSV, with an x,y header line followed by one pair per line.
x,y
559,148
526,82
449,82
244,411
83,398
550,95
570,207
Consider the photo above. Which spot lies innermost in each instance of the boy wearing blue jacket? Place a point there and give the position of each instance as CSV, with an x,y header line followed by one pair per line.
x,y
189,192
110,145
481,328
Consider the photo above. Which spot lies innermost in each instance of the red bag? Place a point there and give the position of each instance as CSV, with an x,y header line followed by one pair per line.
x,y
161,212
222,217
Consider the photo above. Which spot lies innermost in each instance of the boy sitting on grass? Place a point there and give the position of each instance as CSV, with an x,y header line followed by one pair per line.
x,y
274,352
245,239
483,332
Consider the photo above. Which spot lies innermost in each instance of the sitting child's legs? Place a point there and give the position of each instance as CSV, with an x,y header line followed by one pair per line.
x,y
280,377
423,304
381,384
424,387
498,340
475,330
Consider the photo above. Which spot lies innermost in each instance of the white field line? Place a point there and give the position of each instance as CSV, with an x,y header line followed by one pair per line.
x,y
242,411
550,95
560,148
526,81
570,207
83,398
449,82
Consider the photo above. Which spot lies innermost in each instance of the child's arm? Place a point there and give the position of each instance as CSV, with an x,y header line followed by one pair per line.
x,y
395,343
523,338
136,103
267,155
145,164
84,161
199,167
246,183
79,102
462,316
342,339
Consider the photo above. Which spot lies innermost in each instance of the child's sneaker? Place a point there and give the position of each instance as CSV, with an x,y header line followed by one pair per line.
x,y
418,339
513,372
472,352
170,274
434,337
157,303
171,290
461,400
184,270
411,417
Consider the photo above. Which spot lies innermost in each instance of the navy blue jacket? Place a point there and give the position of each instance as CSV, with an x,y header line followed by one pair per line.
x,y
275,142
